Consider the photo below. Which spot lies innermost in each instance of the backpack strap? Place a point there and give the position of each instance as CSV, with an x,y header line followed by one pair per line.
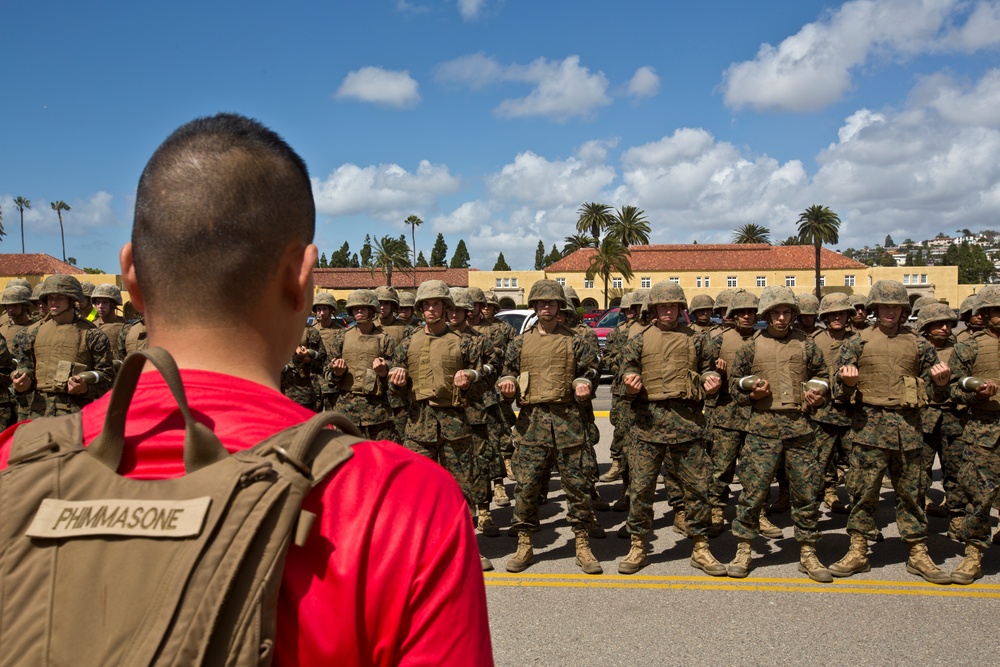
x,y
201,446
49,436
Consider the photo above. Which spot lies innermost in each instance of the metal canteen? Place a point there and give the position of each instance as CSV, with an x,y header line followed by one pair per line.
x,y
748,382
970,383
817,384
90,377
710,374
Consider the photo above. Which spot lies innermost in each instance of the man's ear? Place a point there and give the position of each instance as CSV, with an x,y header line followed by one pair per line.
x,y
128,277
297,276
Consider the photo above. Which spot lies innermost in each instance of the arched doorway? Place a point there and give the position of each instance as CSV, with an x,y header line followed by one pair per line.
x,y
507,304
590,305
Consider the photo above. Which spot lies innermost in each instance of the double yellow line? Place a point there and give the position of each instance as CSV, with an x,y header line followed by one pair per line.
x,y
848,586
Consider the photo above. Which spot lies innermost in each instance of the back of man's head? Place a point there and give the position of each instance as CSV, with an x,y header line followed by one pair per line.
x,y
217,205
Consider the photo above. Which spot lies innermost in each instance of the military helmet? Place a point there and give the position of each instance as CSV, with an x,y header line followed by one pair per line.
x,y
15,294
462,297
61,283
723,298
922,302
492,299
324,299
546,290
837,302
362,297
387,293
477,295
88,288
626,301
777,295
888,293
808,304
989,297
667,292
433,289
968,306
739,300
36,292
571,295
859,299
406,299
701,302
18,282
107,291
935,312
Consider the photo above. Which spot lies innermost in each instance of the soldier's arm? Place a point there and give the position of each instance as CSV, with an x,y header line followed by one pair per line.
x,y
511,368
928,360
631,363
742,365
397,369
962,362
23,345
100,352
850,352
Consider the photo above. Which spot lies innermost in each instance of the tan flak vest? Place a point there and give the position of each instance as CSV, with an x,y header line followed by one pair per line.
x,y
396,329
135,339
548,366
60,352
670,365
888,370
431,363
782,362
9,329
327,334
830,347
359,351
987,367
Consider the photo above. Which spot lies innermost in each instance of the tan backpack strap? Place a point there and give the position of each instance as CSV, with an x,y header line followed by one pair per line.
x,y
316,450
201,446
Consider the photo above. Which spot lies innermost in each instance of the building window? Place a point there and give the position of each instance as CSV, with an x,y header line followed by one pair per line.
x,y
789,281
645,283
588,284
499,282
616,283
675,280
513,282
848,281
822,281
708,281
761,281
906,278
561,281
730,281
923,278
697,281
506,282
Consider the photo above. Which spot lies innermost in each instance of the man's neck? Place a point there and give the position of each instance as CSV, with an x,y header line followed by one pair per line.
x,y
547,326
437,328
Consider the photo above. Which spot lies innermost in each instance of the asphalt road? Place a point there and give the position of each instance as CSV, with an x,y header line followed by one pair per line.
x,y
672,614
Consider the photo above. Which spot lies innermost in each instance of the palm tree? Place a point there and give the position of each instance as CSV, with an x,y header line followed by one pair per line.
x,y
389,253
575,242
611,257
21,203
819,225
751,233
414,222
3,232
59,207
629,226
594,218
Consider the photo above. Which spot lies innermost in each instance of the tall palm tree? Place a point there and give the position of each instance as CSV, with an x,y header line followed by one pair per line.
x,y
3,232
819,225
59,207
389,253
751,233
629,226
594,219
414,222
21,203
611,257
575,242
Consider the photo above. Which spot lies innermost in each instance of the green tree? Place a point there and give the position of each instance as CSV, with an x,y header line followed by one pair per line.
x,y
341,259
21,203
414,222
439,252
553,256
629,226
460,260
974,267
594,219
2,231
819,225
501,264
388,254
71,261
792,240
611,257
323,263
59,207
540,256
366,252
751,233
574,243
888,240
421,261
355,262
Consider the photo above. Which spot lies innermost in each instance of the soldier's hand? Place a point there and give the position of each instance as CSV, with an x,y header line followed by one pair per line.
x,y
507,388
849,375
302,352
582,391
462,380
713,384
21,381
760,390
941,374
814,398
986,390
380,367
339,367
633,383
397,376
76,386
720,365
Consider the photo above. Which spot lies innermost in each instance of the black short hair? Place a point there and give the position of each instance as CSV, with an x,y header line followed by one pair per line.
x,y
217,204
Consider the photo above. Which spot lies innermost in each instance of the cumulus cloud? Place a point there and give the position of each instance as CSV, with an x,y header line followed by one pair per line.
x,y
380,86
410,7
474,71
470,10
468,217
812,68
644,83
550,183
84,217
962,103
385,191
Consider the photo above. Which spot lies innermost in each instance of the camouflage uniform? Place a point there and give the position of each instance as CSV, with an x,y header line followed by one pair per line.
x,y
132,337
835,417
365,401
301,380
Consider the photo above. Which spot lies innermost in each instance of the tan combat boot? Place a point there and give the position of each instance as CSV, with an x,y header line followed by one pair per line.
x,y
702,558
955,526
520,561
718,522
500,496
809,564
856,559
740,566
971,567
485,563
768,529
636,558
920,563
485,523
614,473
680,522
585,557
508,468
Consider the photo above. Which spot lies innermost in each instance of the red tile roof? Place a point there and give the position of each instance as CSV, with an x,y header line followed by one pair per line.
x,y
33,264
350,279
718,257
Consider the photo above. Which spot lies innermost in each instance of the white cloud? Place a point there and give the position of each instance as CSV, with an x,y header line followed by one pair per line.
x,y
549,183
470,216
470,10
644,83
412,8
813,67
385,191
959,103
473,71
380,86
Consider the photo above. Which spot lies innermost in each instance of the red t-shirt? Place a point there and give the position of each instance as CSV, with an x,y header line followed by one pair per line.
x,y
392,578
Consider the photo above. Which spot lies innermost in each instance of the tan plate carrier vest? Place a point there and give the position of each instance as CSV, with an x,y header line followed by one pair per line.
x,y
432,362
359,351
57,348
670,365
548,366
135,339
782,362
888,371
987,367
97,569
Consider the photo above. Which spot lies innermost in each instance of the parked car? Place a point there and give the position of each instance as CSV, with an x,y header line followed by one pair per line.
x,y
606,325
521,320
591,319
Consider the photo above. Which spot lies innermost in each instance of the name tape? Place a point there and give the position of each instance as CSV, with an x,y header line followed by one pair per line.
x,y
135,518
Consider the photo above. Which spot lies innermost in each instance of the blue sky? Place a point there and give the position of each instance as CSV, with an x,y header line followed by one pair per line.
x,y
494,120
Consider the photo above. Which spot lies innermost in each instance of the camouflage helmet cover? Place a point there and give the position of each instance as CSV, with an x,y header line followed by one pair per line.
x,y
837,302
859,299
935,312
701,302
968,306
19,282
774,296
667,292
462,298
626,301
888,293
406,299
477,295
88,288
546,290
61,283
433,289
107,291
808,304
492,299
989,297
571,295
387,293
361,298
324,299
15,294
739,300
35,293
723,298
921,302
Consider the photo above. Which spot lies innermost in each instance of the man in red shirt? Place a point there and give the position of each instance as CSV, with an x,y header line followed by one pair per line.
x,y
225,215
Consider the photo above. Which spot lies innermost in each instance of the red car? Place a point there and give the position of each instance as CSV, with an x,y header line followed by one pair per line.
x,y
606,325
591,319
